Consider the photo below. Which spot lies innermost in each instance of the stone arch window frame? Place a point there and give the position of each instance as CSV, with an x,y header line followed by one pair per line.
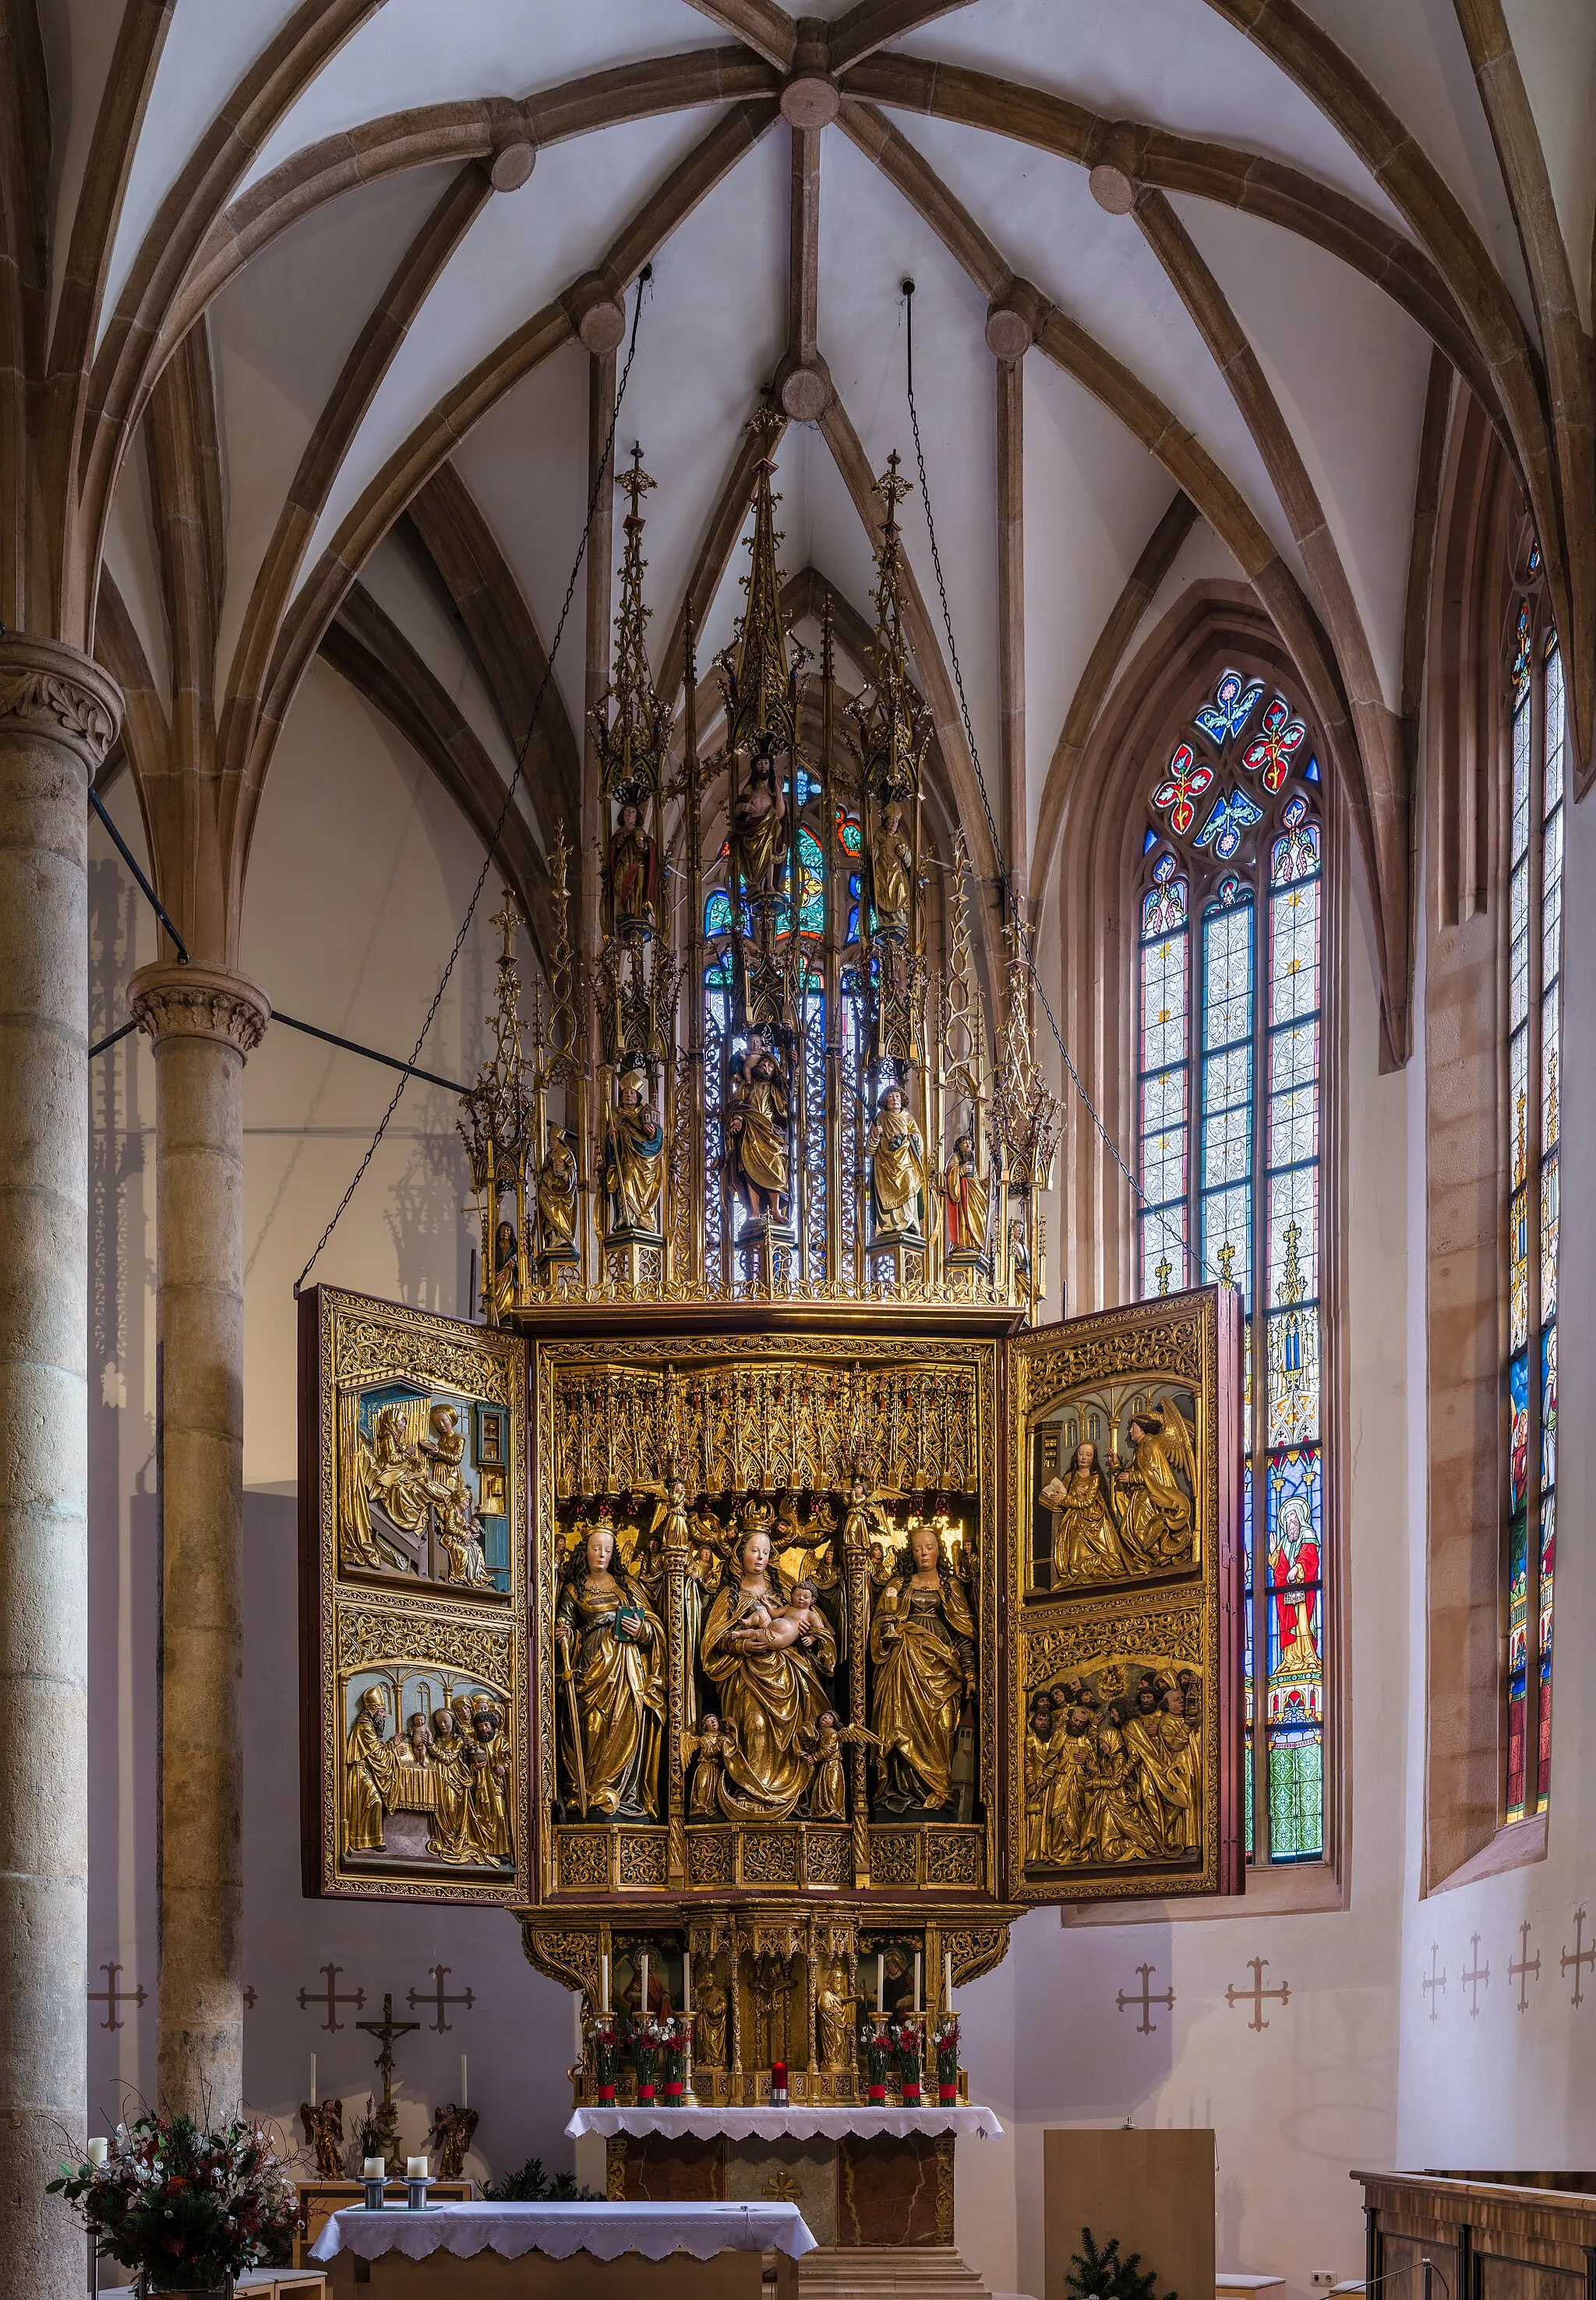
x,y
1214,824
1534,799
1087,854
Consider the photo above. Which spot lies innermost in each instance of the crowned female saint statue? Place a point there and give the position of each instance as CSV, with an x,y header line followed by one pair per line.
x,y
923,1654
771,1694
897,1156
612,1659
634,1162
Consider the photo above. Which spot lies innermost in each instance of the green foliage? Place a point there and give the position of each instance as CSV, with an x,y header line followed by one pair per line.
x,y
1095,2275
188,2207
532,2186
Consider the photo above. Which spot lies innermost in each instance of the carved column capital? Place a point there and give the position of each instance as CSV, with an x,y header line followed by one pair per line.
x,y
172,1001
51,690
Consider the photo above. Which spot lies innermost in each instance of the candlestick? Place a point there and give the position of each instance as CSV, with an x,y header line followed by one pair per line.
x,y
643,1991
947,1982
313,2079
98,2151
464,2090
604,1983
687,1981
880,1985
917,1984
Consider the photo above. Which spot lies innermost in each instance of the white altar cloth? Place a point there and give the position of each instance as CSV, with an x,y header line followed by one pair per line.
x,y
796,2123
606,2230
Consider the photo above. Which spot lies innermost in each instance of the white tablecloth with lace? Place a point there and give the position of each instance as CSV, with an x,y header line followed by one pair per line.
x,y
606,2230
795,2123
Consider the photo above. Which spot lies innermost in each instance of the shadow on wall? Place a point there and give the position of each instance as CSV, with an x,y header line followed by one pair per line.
x,y
517,2029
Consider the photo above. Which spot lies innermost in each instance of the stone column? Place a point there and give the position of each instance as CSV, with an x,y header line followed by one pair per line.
x,y
203,1022
59,713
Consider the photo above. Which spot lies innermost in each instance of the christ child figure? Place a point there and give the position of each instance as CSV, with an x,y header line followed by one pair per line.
x,y
795,1623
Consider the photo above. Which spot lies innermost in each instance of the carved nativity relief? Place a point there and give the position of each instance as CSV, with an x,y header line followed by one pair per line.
x,y
412,1500
1126,1565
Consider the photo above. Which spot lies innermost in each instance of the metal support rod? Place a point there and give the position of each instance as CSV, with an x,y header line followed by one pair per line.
x,y
328,1037
151,896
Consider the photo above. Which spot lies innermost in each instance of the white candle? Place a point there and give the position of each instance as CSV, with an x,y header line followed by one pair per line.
x,y
373,2167
604,1983
464,2094
415,2167
916,1983
880,1985
947,1983
642,1992
313,2079
98,2150
686,1980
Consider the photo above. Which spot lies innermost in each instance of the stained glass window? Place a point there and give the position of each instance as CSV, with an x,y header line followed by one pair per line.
x,y
1534,922
1229,1088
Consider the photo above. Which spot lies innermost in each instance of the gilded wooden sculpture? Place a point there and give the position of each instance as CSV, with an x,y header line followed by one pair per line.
x,y
758,1602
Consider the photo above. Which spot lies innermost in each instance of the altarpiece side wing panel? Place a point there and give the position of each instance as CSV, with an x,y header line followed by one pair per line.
x,y
1124,1601
413,1645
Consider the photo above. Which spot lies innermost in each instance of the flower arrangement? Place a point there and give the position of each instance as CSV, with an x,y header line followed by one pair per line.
x,y
677,2030
648,2040
909,2042
877,2043
606,2045
189,2209
944,2043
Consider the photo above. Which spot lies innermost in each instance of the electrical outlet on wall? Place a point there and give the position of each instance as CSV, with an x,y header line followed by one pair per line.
x,y
1322,2278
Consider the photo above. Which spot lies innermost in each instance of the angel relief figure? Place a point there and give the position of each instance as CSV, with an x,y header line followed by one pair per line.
x,y
1156,1526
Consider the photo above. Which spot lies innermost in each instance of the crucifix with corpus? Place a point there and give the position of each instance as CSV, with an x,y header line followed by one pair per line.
x,y
387,2115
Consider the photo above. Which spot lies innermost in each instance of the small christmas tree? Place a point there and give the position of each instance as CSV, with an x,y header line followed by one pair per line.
x,y
1095,2275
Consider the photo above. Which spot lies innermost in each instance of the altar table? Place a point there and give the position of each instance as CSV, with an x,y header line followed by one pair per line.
x,y
875,2185
696,2251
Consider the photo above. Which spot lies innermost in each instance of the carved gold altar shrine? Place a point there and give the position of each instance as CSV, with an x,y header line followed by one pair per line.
x,y
759,1600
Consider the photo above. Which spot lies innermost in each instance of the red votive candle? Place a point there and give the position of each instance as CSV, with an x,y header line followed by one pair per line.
x,y
778,2083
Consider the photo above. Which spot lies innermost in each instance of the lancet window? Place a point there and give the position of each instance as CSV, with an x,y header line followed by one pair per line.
x,y
1533,919
1230,1043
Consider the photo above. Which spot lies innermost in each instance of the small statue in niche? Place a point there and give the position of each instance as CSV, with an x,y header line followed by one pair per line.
x,y
711,1744
891,877
827,1797
758,843
505,1260
557,1202
968,1204
633,1159
710,2029
1019,1255
758,1132
833,2030
631,875
897,1156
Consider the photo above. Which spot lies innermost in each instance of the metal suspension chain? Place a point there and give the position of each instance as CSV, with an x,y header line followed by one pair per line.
x,y
644,277
1011,909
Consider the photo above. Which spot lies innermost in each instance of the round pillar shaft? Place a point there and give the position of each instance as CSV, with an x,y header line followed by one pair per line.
x,y
58,715
203,1022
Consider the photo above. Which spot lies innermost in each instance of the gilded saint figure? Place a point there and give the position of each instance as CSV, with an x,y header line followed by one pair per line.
x,y
772,1695
612,1660
631,875
449,1836
923,1656
758,1132
833,2020
505,1260
634,1160
557,1202
1086,1543
897,1156
968,1204
1154,1509
758,827
1168,1774
487,1794
370,1773
1040,1764
892,878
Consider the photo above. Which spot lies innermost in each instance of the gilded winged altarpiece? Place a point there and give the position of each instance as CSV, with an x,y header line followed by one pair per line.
x,y
757,1602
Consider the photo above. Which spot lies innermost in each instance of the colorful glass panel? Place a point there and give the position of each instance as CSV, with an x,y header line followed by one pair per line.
x,y
1230,960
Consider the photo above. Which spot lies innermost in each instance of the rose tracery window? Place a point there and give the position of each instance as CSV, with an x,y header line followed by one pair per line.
x,y
1229,1110
1534,915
